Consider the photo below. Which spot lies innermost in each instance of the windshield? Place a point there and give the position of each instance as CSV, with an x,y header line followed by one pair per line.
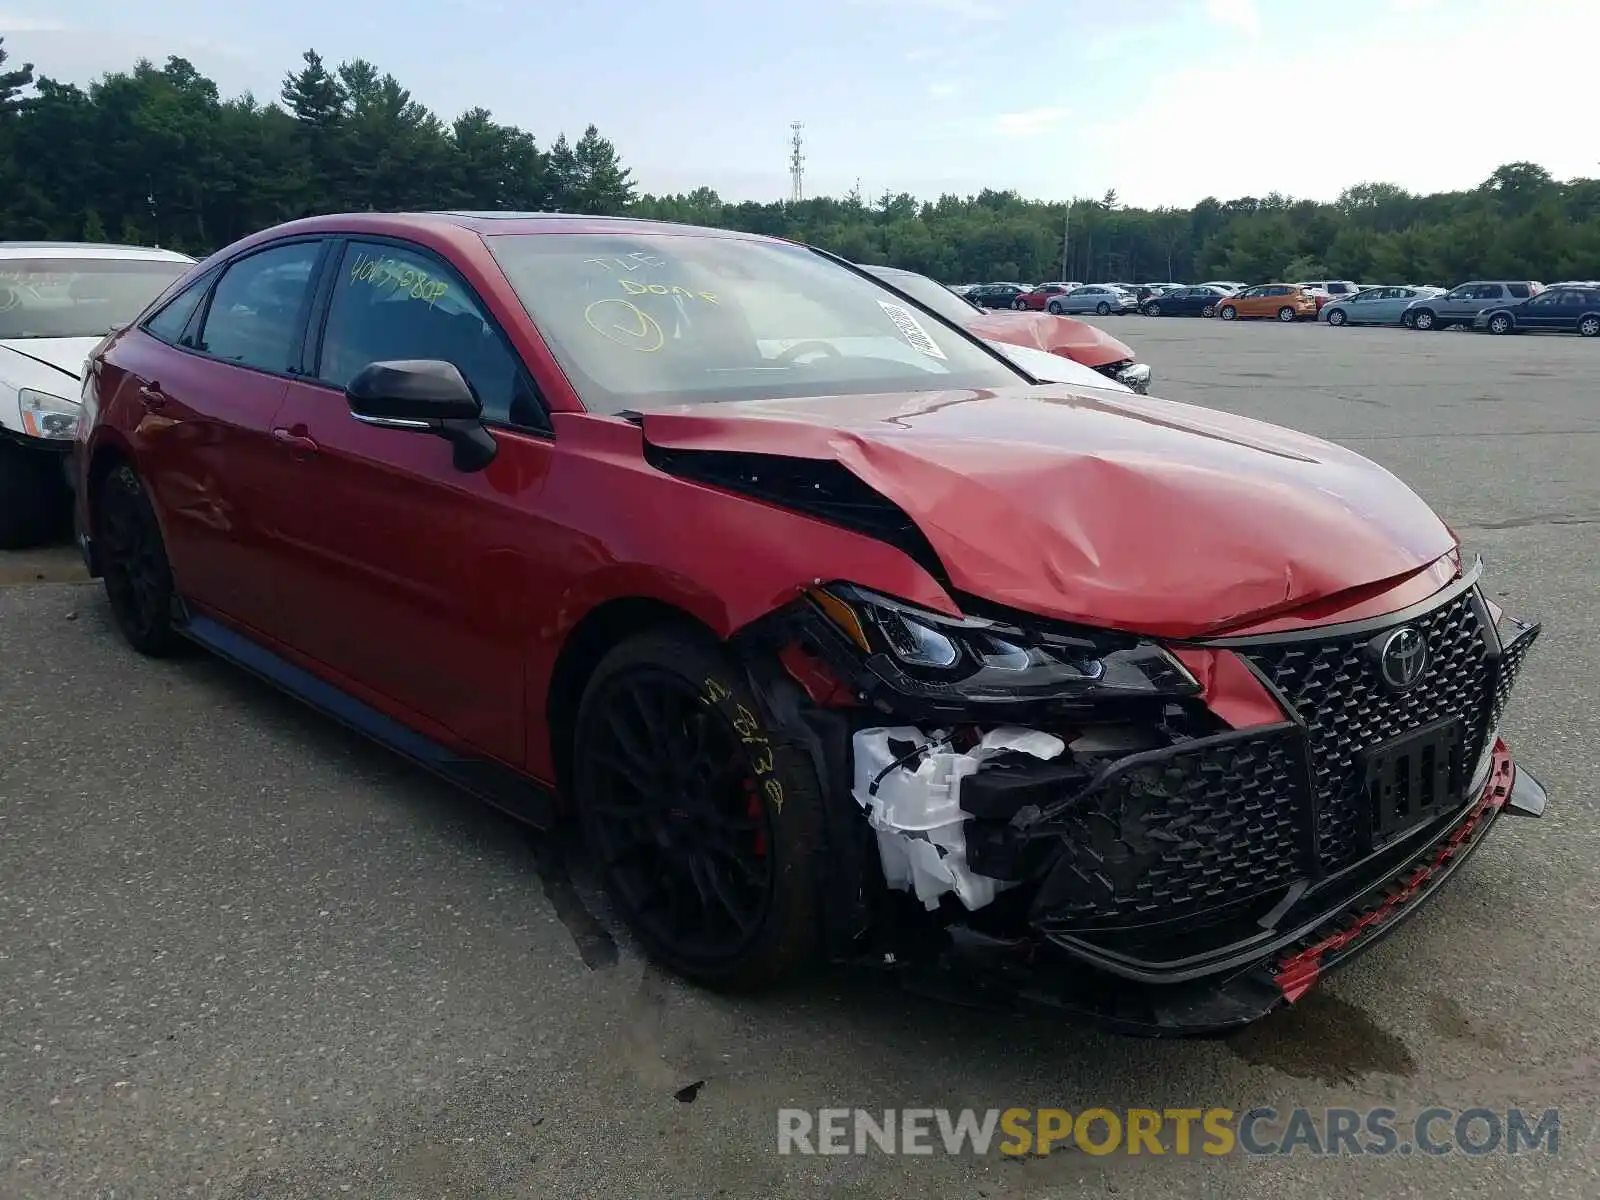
x,y
642,320
77,297
929,294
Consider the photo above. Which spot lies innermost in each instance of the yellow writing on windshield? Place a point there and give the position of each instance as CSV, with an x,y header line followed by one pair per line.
x,y
398,277
628,262
661,289
625,323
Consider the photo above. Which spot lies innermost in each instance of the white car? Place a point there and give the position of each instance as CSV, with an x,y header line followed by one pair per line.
x,y
57,300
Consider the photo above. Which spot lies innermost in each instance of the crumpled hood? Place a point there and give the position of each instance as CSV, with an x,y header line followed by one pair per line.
x,y
1077,340
1119,511
63,354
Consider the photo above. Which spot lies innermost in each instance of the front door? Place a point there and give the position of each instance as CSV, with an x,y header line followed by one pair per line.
x,y
408,577
1547,310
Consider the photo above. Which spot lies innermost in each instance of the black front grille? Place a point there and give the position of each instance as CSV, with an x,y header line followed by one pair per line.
x,y
1336,689
1517,641
1186,831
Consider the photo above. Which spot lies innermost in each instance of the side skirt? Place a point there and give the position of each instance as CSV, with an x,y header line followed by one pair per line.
x,y
488,780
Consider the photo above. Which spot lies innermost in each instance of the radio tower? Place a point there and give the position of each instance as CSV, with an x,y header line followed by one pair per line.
x,y
797,160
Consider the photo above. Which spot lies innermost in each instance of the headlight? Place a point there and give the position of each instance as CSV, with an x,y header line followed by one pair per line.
x,y
978,660
47,416
1136,377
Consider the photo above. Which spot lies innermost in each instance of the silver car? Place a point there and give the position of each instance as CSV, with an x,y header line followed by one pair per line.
x,y
1375,305
1461,304
1101,298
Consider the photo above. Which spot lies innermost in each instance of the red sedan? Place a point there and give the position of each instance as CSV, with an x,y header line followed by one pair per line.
x,y
840,636
1035,298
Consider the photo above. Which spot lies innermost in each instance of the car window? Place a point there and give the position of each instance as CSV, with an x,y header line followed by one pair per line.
x,y
1545,298
1465,292
646,319
1488,291
169,322
393,302
256,309
1519,290
78,297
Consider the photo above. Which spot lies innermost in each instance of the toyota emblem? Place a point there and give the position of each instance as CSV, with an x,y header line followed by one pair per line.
x,y
1403,658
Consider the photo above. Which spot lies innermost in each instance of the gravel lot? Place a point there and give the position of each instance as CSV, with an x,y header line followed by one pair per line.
x,y
244,954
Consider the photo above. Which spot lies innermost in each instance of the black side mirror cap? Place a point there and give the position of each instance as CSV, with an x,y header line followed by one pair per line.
x,y
424,395
420,389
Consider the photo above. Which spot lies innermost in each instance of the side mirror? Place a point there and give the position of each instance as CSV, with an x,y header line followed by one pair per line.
x,y
424,396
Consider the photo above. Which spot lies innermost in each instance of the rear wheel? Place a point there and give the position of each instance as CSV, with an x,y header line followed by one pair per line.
x,y
1423,319
1589,327
1500,323
1337,317
1209,310
133,560
1018,304
1103,308
1286,313
706,827
1228,312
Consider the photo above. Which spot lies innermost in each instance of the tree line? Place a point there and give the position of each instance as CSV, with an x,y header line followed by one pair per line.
x,y
155,155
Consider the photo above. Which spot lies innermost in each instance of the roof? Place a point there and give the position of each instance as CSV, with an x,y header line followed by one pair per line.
x,y
88,250
490,223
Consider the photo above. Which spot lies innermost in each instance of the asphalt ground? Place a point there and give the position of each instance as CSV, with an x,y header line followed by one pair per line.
x,y
246,954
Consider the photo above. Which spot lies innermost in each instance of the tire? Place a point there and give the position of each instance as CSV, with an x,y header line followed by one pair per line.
x,y
133,560
1152,309
1055,309
1103,308
760,825
1209,310
1409,320
1018,304
1589,327
1423,319
35,502
1337,317
1228,313
1286,314
1501,323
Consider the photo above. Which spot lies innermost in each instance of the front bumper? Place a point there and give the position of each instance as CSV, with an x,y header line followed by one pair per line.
x,y
1194,886
1212,993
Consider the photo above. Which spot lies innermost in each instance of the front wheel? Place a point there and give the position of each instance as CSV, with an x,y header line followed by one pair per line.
x,y
1409,320
133,560
1103,309
1500,323
1423,320
706,827
1228,312
1152,309
1336,317
1055,309
1286,313
1589,327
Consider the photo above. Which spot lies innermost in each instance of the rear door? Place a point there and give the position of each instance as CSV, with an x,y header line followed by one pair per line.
x,y
208,387
407,576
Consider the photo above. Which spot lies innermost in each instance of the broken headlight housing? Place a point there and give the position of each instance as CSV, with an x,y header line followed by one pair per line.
x,y
977,660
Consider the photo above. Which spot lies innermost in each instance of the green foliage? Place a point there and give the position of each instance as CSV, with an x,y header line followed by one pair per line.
x,y
154,153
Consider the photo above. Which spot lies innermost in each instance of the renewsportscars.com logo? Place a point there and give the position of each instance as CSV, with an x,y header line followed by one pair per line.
x,y
1177,1131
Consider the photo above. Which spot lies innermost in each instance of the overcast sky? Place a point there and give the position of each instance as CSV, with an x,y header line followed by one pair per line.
x,y
1164,100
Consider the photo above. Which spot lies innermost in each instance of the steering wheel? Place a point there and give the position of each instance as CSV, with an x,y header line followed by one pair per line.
x,y
789,356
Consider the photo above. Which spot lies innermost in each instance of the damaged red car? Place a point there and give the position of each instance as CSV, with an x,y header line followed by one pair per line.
x,y
842,637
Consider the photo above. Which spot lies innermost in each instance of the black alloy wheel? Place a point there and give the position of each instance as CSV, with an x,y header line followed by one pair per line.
x,y
133,561
705,827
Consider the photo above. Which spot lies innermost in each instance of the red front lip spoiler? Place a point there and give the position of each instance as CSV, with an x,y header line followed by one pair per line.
x,y
1297,973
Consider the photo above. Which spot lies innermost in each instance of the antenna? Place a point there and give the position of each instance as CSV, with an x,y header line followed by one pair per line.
x,y
797,169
